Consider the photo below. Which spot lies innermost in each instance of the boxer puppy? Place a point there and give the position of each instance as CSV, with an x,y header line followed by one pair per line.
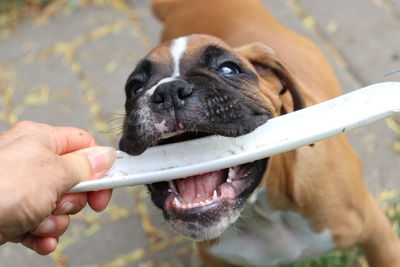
x,y
292,206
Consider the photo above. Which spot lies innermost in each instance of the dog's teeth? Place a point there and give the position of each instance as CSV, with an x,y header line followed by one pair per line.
x,y
228,180
189,205
208,201
232,173
202,203
215,195
172,186
177,202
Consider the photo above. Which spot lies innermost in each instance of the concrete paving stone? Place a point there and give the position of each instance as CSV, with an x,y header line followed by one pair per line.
x,y
32,38
3,126
65,99
15,255
381,163
66,102
123,197
151,25
110,241
64,117
169,253
366,34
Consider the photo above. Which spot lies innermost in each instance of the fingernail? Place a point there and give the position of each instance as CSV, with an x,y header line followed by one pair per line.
x,y
101,158
65,208
45,227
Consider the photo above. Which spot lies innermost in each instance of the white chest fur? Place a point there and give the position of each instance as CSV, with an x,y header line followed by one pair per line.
x,y
266,237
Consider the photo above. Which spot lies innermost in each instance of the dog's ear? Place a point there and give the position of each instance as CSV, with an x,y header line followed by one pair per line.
x,y
265,61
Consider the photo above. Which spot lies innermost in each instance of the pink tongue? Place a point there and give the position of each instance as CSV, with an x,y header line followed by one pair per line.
x,y
200,187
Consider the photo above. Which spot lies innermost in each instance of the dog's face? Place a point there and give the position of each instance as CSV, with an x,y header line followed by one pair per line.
x,y
196,86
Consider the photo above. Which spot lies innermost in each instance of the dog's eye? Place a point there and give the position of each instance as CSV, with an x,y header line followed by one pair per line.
x,y
228,68
137,88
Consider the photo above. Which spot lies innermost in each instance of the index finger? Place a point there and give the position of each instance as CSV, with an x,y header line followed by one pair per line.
x,y
60,140
69,139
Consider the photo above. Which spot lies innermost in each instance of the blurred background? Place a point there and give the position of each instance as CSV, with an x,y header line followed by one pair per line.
x,y
65,62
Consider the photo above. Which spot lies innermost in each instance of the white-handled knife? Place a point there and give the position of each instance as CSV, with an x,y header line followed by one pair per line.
x,y
280,134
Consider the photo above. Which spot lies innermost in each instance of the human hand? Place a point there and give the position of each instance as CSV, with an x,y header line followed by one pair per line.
x,y
38,165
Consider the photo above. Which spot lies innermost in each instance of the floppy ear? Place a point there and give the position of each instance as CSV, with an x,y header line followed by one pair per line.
x,y
264,60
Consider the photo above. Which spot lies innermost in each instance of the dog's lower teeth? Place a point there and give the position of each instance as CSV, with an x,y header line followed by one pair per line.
x,y
202,203
228,180
177,202
215,194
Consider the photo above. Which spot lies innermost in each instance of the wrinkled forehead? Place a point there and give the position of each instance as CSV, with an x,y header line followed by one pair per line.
x,y
174,57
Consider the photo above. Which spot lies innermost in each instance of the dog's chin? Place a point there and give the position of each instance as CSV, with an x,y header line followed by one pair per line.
x,y
197,230
203,206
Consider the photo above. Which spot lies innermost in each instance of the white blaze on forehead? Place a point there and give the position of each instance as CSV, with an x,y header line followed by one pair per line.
x,y
177,49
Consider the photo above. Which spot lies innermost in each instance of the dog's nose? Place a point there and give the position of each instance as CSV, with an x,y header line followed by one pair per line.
x,y
172,91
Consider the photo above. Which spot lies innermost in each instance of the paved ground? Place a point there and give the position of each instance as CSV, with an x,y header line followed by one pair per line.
x,y
68,65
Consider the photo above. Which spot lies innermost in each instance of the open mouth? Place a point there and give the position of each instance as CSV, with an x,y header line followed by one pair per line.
x,y
181,136
197,193
204,192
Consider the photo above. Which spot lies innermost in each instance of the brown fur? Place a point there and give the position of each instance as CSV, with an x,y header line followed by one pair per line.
x,y
323,183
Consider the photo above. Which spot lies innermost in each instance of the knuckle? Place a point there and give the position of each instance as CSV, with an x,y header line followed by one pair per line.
x,y
25,125
26,129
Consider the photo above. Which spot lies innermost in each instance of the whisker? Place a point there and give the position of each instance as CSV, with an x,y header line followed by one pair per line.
x,y
114,119
112,130
120,114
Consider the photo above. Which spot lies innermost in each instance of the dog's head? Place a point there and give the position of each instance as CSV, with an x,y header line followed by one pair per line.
x,y
196,86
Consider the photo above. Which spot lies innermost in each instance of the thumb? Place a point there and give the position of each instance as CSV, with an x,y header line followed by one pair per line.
x,y
88,163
